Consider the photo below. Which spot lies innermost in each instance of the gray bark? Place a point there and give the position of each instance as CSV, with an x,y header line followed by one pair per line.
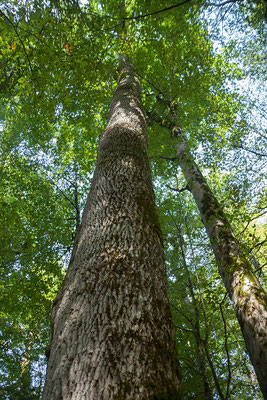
x,y
112,332
248,297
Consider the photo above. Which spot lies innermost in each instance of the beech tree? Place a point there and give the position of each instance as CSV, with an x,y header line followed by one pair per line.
x,y
58,72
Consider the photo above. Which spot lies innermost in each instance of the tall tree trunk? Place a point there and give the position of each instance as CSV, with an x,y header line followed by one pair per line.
x,y
195,322
247,295
112,332
198,339
205,341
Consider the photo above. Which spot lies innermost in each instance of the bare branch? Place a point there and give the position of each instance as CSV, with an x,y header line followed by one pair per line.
x,y
225,3
252,219
158,11
258,269
257,245
178,190
61,191
250,151
163,158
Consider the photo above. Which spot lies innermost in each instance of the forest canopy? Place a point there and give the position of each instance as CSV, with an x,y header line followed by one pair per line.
x,y
200,63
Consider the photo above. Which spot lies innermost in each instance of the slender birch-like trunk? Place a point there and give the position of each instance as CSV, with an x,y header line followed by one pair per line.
x,y
248,297
112,332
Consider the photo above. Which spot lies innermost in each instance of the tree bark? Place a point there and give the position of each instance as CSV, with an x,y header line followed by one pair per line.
x,y
112,332
248,297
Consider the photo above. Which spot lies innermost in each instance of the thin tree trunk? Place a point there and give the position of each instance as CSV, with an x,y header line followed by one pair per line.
x,y
242,359
205,341
227,396
248,297
198,340
77,207
112,332
195,324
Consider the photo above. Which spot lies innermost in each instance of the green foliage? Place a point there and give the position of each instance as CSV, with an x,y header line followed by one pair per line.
x,y
57,74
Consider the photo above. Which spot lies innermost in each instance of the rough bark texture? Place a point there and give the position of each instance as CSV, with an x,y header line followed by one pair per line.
x,y
112,332
243,287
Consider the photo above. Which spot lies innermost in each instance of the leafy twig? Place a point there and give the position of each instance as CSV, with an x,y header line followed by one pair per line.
x,y
21,41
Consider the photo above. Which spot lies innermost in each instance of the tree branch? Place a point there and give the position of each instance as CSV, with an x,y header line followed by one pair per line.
x,y
256,270
62,192
257,245
250,151
184,329
21,41
252,219
178,190
184,315
163,158
158,11
224,3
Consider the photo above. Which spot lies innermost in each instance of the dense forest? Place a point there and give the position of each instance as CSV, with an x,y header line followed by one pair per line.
x,y
107,98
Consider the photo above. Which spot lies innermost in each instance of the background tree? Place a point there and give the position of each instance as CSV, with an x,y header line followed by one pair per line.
x,y
57,77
